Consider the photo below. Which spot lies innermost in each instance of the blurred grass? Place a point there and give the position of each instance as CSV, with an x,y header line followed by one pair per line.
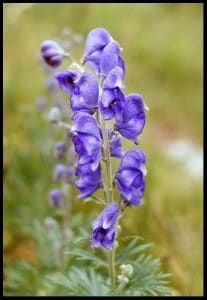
x,y
163,51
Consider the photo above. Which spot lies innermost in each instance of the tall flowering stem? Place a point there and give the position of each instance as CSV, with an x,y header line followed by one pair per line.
x,y
94,99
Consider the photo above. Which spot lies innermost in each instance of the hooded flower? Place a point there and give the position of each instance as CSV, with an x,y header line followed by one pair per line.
x,y
112,100
87,140
52,53
111,58
104,227
102,53
83,88
131,176
89,181
97,39
133,117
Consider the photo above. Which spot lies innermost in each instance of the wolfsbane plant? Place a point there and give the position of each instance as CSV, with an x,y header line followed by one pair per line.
x,y
95,99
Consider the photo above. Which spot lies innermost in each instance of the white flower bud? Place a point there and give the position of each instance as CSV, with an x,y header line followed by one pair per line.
x,y
126,270
54,115
123,279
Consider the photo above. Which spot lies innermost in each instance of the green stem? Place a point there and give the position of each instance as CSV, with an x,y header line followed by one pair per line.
x,y
108,192
112,269
107,160
64,124
66,192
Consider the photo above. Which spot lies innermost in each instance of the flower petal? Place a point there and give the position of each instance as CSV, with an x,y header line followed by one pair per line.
x,y
67,79
86,123
97,39
133,128
114,79
110,57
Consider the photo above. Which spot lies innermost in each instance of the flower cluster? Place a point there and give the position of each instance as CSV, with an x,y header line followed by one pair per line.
x,y
94,99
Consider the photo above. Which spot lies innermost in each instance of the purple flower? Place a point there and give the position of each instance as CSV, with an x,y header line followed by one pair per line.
x,y
83,88
52,53
130,176
114,79
112,101
102,53
96,40
87,140
110,58
56,197
133,117
67,80
115,144
63,173
104,227
68,174
89,181
60,149
58,172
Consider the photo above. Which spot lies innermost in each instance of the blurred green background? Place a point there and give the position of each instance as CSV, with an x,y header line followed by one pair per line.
x,y
163,51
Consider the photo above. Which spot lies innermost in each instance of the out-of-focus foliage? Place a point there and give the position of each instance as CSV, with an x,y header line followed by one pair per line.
x,y
163,50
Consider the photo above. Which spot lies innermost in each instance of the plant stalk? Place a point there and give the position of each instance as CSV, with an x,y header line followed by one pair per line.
x,y
66,212
108,193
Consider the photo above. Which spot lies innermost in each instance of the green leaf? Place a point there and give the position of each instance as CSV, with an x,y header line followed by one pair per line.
x,y
82,238
85,255
131,249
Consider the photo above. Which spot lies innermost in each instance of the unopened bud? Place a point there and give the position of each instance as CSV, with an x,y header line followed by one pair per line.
x,y
123,279
60,149
56,198
127,270
52,53
54,115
